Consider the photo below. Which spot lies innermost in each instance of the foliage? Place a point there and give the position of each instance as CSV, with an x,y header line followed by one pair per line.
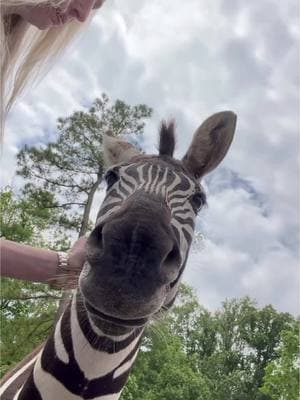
x,y
281,380
71,168
27,309
193,354
24,218
164,371
62,178
241,352
27,312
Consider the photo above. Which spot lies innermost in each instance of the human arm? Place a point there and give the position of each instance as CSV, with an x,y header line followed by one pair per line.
x,y
38,265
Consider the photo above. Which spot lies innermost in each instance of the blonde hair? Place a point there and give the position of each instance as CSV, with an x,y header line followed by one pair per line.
x,y
27,52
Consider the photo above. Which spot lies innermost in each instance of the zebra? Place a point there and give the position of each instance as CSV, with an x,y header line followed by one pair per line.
x,y
136,256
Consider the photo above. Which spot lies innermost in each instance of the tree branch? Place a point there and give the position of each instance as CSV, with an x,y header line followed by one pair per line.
x,y
34,330
46,296
59,184
64,205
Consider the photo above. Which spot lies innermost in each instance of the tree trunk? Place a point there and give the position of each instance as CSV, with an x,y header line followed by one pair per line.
x,y
87,208
83,229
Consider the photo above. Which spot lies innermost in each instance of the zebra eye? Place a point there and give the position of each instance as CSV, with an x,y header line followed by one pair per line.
x,y
198,200
111,177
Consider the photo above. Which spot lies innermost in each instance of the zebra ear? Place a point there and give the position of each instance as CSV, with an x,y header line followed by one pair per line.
x,y
210,143
116,150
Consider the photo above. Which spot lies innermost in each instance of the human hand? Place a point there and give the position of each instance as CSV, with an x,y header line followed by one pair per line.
x,y
70,265
77,256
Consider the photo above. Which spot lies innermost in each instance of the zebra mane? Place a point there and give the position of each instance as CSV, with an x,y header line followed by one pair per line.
x,y
167,138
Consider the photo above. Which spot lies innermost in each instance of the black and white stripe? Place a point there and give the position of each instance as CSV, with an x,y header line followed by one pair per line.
x,y
174,187
79,361
84,359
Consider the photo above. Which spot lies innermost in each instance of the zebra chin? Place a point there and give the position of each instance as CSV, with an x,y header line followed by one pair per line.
x,y
113,312
128,323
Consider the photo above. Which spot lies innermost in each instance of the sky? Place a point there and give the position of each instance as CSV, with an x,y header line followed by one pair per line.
x,y
188,60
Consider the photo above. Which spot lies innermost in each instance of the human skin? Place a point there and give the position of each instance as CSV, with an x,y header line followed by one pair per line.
x,y
34,264
46,16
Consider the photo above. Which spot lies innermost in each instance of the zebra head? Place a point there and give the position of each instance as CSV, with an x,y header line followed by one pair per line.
x,y
139,247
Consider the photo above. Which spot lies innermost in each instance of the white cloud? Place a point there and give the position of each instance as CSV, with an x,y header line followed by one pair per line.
x,y
188,60
220,272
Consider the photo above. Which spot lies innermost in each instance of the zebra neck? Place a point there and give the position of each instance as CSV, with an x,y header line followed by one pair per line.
x,y
79,361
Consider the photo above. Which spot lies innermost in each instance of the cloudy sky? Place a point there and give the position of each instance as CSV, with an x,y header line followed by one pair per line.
x,y
189,59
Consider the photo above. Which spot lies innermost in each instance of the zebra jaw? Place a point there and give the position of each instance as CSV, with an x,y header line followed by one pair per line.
x,y
100,316
96,314
116,321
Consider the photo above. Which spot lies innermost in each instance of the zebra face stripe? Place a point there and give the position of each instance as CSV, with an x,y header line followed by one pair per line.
x,y
174,187
137,254
149,212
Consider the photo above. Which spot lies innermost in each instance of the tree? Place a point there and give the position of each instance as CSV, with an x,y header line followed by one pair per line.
x,y
247,340
164,370
281,380
195,354
71,168
62,178
27,309
23,218
27,313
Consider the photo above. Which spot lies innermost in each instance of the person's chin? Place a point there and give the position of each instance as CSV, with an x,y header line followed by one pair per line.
x,y
42,25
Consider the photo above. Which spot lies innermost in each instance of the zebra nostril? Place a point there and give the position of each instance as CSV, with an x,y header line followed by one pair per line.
x,y
173,259
95,238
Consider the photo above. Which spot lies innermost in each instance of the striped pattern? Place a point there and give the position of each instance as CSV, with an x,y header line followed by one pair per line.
x,y
79,361
174,187
83,359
